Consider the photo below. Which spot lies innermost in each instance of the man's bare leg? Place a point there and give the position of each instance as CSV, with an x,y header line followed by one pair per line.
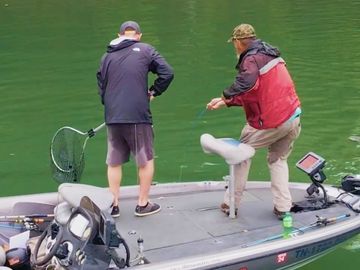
x,y
146,174
114,178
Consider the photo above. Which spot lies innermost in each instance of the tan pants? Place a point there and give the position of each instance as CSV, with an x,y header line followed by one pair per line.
x,y
279,142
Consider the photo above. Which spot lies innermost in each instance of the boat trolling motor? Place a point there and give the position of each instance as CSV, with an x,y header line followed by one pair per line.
x,y
313,164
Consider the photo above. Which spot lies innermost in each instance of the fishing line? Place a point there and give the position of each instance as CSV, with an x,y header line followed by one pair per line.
x,y
194,124
35,216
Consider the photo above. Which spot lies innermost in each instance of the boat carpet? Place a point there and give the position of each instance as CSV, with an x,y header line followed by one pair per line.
x,y
192,223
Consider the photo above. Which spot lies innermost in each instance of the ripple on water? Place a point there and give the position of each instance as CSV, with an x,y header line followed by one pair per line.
x,y
353,245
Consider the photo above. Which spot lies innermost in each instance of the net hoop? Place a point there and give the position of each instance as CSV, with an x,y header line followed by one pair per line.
x,y
67,154
52,143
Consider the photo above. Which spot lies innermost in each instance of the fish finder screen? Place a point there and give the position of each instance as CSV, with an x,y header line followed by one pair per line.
x,y
311,163
308,162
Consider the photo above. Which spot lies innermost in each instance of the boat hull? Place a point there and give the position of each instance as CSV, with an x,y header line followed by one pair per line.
x,y
191,232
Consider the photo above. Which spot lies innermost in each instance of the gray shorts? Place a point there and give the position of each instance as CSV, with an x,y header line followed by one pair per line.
x,y
124,139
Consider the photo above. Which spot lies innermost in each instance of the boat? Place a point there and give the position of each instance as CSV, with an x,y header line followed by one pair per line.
x,y
72,228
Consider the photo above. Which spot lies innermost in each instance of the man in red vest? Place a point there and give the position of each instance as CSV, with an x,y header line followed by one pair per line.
x,y
264,88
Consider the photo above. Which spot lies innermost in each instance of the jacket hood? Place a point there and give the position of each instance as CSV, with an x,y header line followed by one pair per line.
x,y
119,44
259,46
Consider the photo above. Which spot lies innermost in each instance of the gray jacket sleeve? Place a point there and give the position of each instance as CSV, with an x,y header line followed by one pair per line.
x,y
164,71
101,78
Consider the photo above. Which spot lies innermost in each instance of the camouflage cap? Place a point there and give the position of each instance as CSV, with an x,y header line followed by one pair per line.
x,y
242,31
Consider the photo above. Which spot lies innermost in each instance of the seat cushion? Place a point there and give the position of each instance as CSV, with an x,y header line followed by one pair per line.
x,y
72,194
233,151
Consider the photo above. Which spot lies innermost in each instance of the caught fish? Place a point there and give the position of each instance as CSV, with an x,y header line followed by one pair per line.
x,y
355,138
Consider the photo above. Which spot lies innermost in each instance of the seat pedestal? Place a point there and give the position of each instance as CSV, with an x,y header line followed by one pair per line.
x,y
234,152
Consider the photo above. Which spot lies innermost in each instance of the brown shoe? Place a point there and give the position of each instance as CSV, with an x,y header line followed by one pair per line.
x,y
226,209
280,215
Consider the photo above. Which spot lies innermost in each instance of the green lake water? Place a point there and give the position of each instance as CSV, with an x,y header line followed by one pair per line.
x,y
50,51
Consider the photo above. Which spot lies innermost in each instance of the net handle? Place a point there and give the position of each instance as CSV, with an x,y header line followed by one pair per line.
x,y
93,131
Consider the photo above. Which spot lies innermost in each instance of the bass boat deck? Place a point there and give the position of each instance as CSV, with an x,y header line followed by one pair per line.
x,y
190,232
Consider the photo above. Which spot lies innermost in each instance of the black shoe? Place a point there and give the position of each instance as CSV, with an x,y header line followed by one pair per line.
x,y
148,209
115,211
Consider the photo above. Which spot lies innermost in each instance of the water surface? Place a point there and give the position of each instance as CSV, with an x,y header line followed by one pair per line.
x,y
50,51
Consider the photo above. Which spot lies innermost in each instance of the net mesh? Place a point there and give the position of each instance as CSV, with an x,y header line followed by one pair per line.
x,y
67,155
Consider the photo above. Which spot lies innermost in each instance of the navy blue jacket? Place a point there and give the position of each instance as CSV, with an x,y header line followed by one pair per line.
x,y
123,81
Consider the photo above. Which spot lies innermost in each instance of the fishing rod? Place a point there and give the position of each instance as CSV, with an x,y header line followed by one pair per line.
x,y
14,226
33,216
321,221
29,222
31,225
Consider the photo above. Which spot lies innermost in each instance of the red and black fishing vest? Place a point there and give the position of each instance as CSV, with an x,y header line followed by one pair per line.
x,y
272,100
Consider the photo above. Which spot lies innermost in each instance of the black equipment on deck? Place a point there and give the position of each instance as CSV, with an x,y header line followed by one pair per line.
x,y
351,183
313,164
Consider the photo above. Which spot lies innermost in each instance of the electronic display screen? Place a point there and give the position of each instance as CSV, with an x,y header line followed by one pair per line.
x,y
308,162
311,163
78,226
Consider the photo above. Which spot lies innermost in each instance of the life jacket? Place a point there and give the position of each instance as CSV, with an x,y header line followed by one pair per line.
x,y
272,100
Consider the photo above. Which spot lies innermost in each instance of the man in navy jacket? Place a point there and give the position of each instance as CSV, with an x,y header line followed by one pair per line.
x,y
123,87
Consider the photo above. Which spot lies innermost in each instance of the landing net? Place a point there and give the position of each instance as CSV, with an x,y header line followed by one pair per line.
x,y
67,155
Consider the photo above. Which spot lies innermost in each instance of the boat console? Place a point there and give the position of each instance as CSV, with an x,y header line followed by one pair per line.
x,y
86,241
